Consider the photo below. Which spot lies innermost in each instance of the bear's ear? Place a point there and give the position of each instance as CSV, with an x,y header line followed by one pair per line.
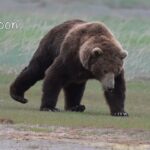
x,y
96,52
124,54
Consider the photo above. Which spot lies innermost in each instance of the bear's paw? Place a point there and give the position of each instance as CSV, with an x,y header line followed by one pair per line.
x,y
120,114
78,108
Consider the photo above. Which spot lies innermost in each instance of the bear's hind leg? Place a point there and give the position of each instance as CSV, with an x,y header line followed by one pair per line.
x,y
116,97
25,80
73,94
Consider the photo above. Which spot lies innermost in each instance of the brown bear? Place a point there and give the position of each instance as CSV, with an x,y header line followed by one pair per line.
x,y
69,55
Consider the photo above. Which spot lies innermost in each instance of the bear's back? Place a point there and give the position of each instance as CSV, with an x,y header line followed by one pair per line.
x,y
54,38
82,32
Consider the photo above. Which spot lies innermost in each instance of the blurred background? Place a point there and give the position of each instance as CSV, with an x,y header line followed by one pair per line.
x,y
24,22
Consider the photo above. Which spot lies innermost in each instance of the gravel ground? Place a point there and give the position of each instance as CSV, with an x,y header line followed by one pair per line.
x,y
22,137
11,144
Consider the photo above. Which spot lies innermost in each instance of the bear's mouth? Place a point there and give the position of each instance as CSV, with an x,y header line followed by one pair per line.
x,y
108,82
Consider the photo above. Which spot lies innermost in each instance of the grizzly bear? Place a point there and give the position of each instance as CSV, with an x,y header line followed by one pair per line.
x,y
69,55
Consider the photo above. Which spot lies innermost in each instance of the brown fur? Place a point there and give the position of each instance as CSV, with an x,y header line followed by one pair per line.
x,y
70,54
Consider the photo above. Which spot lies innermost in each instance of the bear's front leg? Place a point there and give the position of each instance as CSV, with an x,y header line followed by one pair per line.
x,y
116,97
73,95
53,83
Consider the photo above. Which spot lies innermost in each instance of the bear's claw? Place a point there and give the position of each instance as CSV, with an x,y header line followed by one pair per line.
x,y
120,114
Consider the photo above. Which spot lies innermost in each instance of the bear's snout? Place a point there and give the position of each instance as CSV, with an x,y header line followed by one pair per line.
x,y
108,82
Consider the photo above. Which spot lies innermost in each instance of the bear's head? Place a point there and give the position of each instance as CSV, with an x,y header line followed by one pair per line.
x,y
103,57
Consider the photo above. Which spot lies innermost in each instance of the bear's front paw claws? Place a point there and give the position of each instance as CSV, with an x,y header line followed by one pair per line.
x,y
120,114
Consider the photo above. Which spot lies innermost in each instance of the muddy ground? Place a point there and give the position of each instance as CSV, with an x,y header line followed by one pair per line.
x,y
23,137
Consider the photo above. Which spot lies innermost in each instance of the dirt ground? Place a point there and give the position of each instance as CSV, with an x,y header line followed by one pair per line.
x,y
23,137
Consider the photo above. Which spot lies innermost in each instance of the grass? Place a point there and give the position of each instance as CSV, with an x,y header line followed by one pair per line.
x,y
16,51
96,114
17,47
127,4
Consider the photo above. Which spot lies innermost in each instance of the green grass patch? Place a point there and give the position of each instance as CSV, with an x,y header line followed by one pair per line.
x,y
17,50
96,114
17,47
